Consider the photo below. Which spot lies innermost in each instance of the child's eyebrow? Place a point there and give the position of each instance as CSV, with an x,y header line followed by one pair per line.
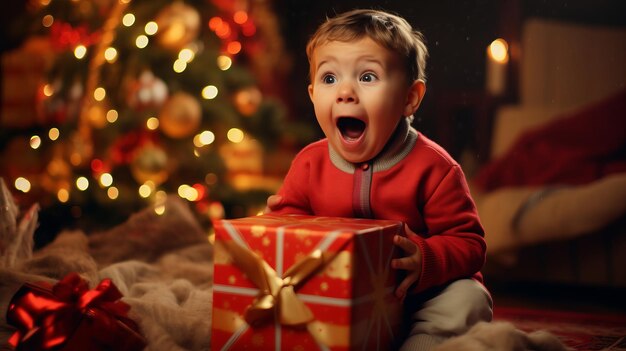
x,y
370,59
326,60
320,66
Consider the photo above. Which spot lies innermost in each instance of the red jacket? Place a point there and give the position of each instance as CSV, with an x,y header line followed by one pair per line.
x,y
413,180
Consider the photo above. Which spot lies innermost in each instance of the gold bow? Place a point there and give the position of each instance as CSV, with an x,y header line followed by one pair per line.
x,y
277,296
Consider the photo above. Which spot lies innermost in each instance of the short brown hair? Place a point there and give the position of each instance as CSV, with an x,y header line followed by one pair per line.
x,y
388,30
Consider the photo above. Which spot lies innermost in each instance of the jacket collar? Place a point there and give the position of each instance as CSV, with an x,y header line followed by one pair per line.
x,y
401,143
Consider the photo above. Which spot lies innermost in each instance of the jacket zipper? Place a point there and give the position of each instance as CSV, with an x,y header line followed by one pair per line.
x,y
361,190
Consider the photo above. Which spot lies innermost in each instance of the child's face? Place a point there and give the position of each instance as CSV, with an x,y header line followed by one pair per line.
x,y
360,91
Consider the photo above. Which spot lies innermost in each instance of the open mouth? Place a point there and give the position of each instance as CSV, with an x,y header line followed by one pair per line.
x,y
351,128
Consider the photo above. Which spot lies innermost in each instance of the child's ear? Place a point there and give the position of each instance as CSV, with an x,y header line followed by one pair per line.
x,y
311,92
414,97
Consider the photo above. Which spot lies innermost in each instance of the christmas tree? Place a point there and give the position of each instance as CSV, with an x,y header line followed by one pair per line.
x,y
146,98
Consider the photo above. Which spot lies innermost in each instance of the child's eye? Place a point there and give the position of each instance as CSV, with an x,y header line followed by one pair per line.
x,y
329,79
368,77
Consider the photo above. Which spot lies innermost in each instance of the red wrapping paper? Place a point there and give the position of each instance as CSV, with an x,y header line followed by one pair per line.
x,y
351,296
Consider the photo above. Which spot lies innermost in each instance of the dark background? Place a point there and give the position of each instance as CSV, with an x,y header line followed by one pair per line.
x,y
457,34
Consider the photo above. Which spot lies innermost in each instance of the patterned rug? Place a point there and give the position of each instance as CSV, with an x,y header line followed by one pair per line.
x,y
580,331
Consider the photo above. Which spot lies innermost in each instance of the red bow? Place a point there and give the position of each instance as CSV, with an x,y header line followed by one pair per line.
x,y
69,316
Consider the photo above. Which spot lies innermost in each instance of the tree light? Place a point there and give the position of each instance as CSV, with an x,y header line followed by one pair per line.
x,y
113,193
223,30
63,195
99,94
186,55
53,133
179,66
48,90
240,17
35,142
224,62
187,192
207,137
142,41
151,28
235,135
159,209
152,123
22,184
209,92
106,179
47,21
128,19
234,47
82,183
214,23
112,116
145,190
110,54
80,51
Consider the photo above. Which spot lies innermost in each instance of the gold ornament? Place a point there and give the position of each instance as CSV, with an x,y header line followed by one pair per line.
x,y
180,116
248,100
179,25
149,164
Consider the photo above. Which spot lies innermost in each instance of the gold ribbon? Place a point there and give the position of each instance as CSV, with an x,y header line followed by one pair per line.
x,y
277,296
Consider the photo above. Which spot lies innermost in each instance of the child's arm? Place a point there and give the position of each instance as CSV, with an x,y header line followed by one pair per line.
x,y
292,197
454,246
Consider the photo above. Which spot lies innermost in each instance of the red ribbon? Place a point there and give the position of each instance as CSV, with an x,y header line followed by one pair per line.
x,y
69,316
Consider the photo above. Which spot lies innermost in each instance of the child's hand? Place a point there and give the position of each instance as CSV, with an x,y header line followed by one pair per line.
x,y
412,262
272,203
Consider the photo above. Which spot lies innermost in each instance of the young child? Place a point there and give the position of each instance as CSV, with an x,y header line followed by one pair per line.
x,y
367,72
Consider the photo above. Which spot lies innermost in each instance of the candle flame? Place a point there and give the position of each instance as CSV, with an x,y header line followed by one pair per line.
x,y
499,50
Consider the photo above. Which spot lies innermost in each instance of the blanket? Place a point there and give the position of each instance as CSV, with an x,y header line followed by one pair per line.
x,y
577,149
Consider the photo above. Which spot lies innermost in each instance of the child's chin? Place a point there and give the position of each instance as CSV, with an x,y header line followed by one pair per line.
x,y
353,152
353,157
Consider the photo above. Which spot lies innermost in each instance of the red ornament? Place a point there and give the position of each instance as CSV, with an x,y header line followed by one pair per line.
x,y
63,36
123,149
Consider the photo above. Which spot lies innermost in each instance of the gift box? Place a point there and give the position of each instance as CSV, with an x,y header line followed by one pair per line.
x,y
294,282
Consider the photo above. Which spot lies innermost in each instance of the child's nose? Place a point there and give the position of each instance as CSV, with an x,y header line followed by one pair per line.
x,y
346,93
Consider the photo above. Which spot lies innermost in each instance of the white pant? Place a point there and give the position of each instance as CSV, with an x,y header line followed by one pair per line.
x,y
452,312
